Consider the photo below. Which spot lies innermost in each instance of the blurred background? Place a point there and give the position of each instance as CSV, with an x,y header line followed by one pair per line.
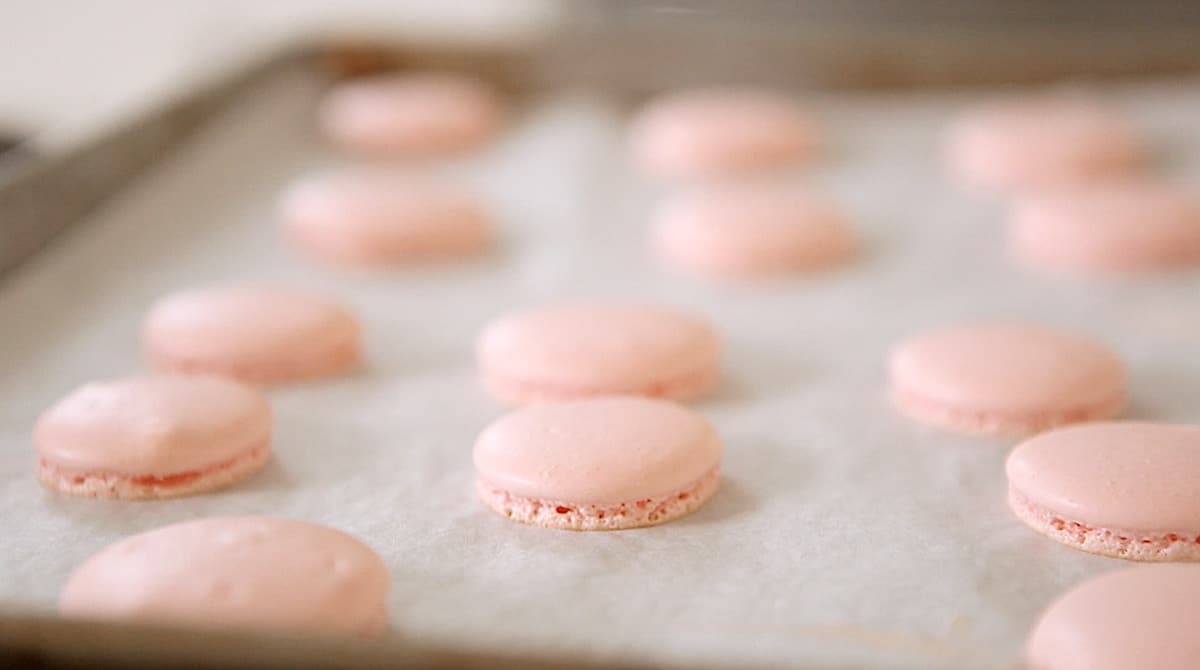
x,y
74,62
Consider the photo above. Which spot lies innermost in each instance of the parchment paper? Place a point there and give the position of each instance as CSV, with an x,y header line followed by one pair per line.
x,y
844,534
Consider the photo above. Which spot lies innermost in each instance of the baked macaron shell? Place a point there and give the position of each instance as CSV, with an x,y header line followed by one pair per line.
x,y
362,219
713,131
744,230
1107,227
1142,617
257,334
1125,489
607,463
260,573
576,350
1006,378
1028,145
415,114
153,437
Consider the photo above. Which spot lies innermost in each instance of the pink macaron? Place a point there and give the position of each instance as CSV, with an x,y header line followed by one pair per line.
x,y
1030,145
715,131
1005,378
1141,617
1109,227
252,573
598,464
746,230
411,114
1122,489
372,219
575,350
253,333
153,437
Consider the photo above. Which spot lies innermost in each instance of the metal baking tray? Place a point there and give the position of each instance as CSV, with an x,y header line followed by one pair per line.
x,y
843,536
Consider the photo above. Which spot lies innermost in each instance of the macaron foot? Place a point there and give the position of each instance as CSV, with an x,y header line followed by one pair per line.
x,y
619,516
129,487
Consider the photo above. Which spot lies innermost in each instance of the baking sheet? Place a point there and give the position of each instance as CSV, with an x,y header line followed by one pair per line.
x,y
843,536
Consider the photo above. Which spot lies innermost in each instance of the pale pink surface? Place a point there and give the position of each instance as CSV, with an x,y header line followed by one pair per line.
x,y
984,421
754,229
570,350
611,516
1027,145
1129,475
720,130
235,572
1006,374
1110,226
411,113
253,333
600,451
1141,617
156,426
518,391
375,218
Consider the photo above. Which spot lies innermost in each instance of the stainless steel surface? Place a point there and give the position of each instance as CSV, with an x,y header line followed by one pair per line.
x,y
43,193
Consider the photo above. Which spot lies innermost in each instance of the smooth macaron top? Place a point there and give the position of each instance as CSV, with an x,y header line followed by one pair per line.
x,y
1007,368
1027,145
374,217
609,346
1113,225
248,325
708,131
1122,475
750,229
153,425
413,113
1141,617
240,572
603,450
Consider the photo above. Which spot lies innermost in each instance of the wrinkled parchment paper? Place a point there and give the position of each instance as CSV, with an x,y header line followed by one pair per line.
x,y
844,534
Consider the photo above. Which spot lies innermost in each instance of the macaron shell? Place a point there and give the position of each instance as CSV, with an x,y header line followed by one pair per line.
x,y
1109,227
1143,617
377,219
1008,369
411,114
235,572
599,348
1028,145
713,131
750,230
252,333
1124,475
153,426
602,450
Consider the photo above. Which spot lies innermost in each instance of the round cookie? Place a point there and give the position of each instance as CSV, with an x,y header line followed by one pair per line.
x,y
252,333
1122,489
576,350
413,114
1142,617
259,573
375,219
1029,145
153,437
1107,228
745,230
1005,379
598,464
712,131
